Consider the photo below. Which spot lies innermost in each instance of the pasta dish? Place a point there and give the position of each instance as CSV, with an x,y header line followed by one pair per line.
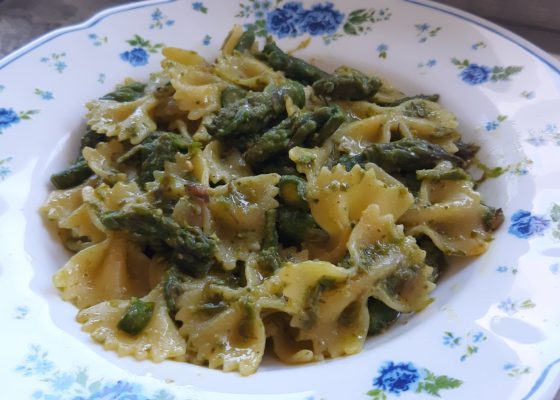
x,y
258,199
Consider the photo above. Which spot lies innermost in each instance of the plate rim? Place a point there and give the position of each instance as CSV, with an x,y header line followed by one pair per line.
x,y
533,49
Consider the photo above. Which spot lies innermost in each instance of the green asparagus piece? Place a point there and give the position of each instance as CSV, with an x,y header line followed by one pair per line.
x,y
191,249
493,218
313,300
296,226
443,172
154,152
293,67
311,127
72,176
430,97
467,151
253,114
78,172
403,155
347,84
171,290
269,259
132,91
245,41
381,316
292,191
435,258
231,94
137,316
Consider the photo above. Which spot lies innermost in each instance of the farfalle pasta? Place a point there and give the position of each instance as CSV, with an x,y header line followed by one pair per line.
x,y
220,206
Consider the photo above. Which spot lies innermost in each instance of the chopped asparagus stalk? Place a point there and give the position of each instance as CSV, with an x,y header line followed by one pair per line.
x,y
192,249
132,91
381,316
403,155
137,316
292,191
347,84
252,114
293,67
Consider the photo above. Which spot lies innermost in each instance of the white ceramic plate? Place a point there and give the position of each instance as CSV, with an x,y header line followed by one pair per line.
x,y
493,331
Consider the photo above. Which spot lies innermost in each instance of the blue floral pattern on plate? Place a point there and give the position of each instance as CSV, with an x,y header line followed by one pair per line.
x,y
470,342
44,94
9,117
511,307
292,19
550,134
495,124
97,40
77,384
160,21
199,6
476,74
525,225
56,61
140,54
397,378
426,31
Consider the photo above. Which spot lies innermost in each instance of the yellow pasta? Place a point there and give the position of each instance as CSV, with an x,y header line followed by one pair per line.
x,y
221,207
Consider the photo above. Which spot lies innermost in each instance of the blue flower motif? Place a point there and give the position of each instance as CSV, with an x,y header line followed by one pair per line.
x,y
206,40
524,224
508,366
431,62
491,126
502,268
422,27
47,96
286,21
382,47
397,378
60,66
197,6
450,340
157,15
475,74
119,391
8,117
508,306
478,337
62,381
321,19
136,57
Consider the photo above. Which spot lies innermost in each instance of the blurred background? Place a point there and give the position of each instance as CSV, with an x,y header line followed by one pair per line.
x,y
23,20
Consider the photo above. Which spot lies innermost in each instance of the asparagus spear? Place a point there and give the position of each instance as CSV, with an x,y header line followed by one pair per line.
x,y
251,115
312,127
78,172
269,259
132,91
154,152
191,249
137,316
403,155
293,67
347,84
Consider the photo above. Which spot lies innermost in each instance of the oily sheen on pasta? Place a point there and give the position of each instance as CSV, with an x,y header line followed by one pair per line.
x,y
258,198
